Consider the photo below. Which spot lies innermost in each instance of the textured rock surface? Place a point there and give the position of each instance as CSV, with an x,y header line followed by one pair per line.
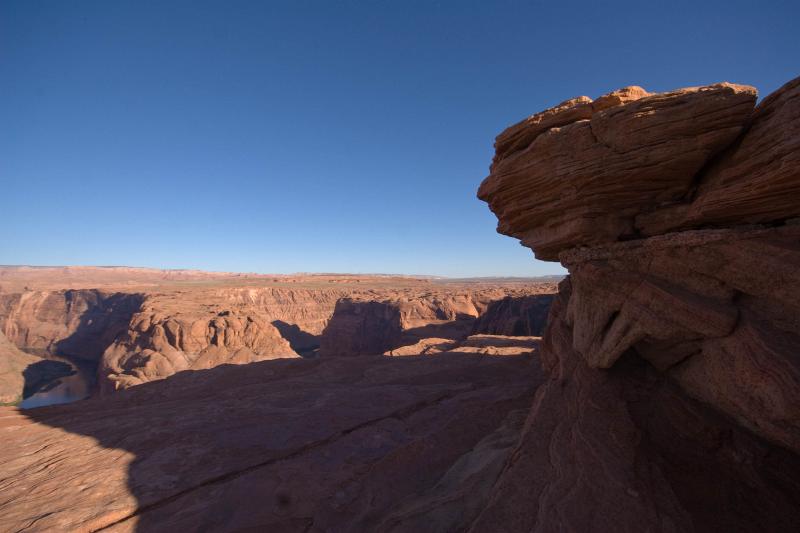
x,y
674,356
580,173
338,444
12,364
625,449
756,179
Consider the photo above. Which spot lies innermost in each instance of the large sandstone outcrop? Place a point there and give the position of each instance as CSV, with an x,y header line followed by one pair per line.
x,y
157,346
673,347
582,172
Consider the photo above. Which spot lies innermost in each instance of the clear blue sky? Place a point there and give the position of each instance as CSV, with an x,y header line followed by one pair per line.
x,y
317,136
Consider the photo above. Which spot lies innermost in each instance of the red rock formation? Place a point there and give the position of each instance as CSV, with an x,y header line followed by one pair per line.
x,y
12,364
153,333
581,172
672,403
75,323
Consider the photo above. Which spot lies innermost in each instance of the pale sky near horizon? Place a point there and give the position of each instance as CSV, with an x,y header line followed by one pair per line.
x,y
318,136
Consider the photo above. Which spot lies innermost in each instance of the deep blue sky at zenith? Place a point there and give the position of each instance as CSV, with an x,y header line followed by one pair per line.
x,y
317,136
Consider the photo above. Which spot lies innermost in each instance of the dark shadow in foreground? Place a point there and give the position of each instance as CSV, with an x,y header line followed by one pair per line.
x,y
356,444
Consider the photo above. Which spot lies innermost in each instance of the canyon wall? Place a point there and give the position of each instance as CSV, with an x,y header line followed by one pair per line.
x,y
370,326
673,346
515,316
73,323
151,334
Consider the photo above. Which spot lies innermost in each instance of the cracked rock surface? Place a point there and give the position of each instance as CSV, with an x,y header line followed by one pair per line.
x,y
338,444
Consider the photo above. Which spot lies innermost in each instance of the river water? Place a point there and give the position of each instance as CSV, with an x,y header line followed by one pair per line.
x,y
65,389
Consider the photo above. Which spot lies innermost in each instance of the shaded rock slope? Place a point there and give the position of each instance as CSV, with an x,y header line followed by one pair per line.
x,y
328,444
673,402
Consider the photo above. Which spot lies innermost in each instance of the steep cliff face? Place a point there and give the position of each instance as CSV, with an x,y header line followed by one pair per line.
x,y
74,323
369,326
672,348
515,316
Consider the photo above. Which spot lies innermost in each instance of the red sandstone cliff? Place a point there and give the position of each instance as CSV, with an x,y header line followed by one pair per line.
x,y
673,347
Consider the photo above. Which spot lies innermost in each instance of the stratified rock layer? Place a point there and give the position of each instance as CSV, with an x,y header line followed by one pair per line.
x,y
672,347
580,173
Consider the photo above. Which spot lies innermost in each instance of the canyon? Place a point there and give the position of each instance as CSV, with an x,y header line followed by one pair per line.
x,y
145,325
655,388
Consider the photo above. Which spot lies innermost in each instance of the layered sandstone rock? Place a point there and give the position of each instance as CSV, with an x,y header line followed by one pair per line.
x,y
74,323
157,346
673,346
582,172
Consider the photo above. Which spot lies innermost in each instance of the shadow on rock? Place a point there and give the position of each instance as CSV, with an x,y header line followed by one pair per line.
x,y
339,444
43,375
302,342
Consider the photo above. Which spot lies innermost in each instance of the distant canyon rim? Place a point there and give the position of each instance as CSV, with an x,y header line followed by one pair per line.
x,y
655,388
136,325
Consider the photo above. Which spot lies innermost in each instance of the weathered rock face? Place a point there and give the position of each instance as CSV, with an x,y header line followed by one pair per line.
x,y
326,444
753,182
515,316
157,346
74,323
582,172
674,355
362,328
